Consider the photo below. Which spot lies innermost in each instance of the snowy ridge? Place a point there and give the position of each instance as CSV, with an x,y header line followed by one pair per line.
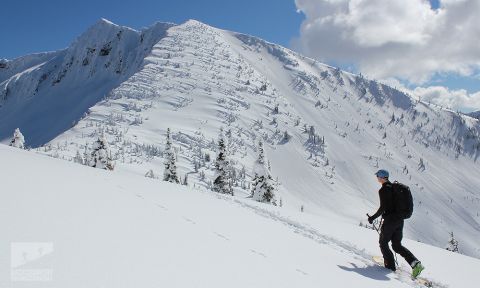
x,y
8,68
325,131
56,89
475,114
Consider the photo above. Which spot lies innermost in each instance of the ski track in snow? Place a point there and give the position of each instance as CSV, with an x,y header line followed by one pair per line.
x,y
258,253
189,220
221,236
305,231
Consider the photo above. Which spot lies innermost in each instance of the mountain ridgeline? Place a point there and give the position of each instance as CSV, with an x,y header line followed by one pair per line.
x,y
325,131
45,94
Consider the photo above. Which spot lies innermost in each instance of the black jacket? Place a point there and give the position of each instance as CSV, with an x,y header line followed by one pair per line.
x,y
387,208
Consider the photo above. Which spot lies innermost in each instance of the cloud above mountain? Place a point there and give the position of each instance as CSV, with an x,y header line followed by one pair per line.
x,y
455,99
405,39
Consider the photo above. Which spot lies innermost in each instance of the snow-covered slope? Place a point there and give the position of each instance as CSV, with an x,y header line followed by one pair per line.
x,y
475,114
45,94
197,79
74,226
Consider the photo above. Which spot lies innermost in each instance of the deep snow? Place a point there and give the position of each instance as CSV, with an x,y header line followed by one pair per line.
x,y
116,229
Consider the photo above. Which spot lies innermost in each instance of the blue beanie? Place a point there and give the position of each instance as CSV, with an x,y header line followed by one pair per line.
x,y
382,173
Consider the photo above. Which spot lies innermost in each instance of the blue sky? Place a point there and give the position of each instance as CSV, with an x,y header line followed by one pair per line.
x,y
34,26
29,26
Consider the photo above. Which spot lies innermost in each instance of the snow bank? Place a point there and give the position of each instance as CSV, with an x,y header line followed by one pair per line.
x,y
96,228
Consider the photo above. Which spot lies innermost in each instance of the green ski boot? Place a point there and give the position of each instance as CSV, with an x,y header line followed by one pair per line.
x,y
417,269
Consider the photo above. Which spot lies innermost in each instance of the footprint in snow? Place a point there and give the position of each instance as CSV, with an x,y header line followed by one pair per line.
x,y
301,272
258,253
189,220
221,236
162,207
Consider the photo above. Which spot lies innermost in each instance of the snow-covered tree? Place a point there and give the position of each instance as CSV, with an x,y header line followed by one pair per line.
x,y
263,186
196,165
170,173
222,182
100,156
392,120
286,136
18,140
150,174
421,165
79,158
452,243
86,156
275,109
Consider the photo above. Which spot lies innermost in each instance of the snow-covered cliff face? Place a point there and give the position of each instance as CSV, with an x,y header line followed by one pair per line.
x,y
45,94
325,131
475,114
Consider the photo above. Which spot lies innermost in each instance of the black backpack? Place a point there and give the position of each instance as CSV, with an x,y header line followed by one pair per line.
x,y
403,200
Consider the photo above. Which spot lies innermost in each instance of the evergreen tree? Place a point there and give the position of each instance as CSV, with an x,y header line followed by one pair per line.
x,y
170,173
86,156
263,186
100,156
18,140
222,183
202,175
421,165
452,244
275,109
79,158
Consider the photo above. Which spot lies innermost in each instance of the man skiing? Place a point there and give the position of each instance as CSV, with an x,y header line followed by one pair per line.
x,y
392,228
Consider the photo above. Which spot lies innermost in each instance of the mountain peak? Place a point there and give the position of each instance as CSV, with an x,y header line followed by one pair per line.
x,y
193,22
103,21
106,25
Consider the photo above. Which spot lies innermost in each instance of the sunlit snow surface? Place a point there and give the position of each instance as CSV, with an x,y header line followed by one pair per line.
x,y
115,229
196,79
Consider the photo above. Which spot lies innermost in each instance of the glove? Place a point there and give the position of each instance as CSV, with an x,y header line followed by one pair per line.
x,y
370,219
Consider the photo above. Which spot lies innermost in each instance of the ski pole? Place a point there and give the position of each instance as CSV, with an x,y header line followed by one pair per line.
x,y
374,226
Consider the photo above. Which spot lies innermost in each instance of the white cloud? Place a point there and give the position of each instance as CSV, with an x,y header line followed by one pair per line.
x,y
454,99
404,39
459,99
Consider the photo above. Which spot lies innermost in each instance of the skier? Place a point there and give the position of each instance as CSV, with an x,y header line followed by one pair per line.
x,y
392,228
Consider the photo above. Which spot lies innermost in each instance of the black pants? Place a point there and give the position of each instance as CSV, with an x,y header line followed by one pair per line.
x,y
392,230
